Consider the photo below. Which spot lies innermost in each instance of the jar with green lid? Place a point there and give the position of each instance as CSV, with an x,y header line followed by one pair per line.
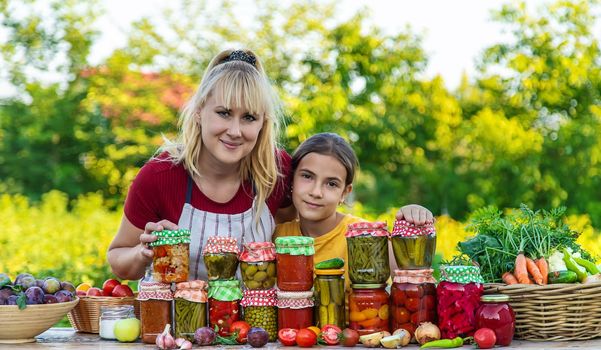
x,y
257,265
260,310
220,256
329,298
413,246
190,308
367,245
368,308
294,257
224,305
171,255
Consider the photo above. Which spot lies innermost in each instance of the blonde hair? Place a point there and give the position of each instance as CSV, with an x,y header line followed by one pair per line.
x,y
240,84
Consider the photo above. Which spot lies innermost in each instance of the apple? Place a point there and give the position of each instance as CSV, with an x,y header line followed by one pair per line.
x,y
127,329
81,293
94,292
122,290
108,285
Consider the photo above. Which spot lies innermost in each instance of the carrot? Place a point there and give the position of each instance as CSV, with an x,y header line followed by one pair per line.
x,y
534,271
544,268
521,271
509,278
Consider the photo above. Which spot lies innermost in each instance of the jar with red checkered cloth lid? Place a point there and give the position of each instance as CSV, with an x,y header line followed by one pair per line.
x,y
155,309
190,308
260,310
412,299
257,265
295,309
367,244
220,256
413,246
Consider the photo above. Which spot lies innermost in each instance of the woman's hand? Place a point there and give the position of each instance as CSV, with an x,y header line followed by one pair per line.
x,y
415,214
147,236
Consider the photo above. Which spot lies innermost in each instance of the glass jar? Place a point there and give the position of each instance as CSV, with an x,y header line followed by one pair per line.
x,y
220,256
171,255
190,308
224,304
294,256
458,295
257,265
367,245
155,309
260,310
109,315
496,313
413,246
368,307
295,309
329,298
412,299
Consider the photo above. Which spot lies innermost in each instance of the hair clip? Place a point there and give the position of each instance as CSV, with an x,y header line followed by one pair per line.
x,y
239,55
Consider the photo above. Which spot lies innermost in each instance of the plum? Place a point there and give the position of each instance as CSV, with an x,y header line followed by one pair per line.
x,y
12,300
25,280
50,299
51,285
257,337
63,296
205,336
39,283
35,295
68,286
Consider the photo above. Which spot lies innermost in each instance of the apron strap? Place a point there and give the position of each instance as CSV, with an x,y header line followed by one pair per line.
x,y
189,190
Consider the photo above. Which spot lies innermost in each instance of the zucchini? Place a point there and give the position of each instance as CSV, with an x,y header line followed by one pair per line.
x,y
334,263
564,276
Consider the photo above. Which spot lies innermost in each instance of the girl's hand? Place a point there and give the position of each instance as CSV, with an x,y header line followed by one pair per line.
x,y
147,236
415,214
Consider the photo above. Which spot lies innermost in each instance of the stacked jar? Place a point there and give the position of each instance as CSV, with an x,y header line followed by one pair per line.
x,y
329,297
190,308
155,309
171,256
369,270
295,309
224,304
260,310
257,265
220,255
413,246
412,299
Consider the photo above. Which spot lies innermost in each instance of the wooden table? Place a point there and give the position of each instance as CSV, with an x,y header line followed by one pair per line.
x,y
67,338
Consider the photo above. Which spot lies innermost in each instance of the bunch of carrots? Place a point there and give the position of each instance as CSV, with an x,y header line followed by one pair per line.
x,y
527,271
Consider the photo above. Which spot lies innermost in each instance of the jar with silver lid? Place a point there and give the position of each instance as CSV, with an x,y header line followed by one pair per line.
x,y
109,315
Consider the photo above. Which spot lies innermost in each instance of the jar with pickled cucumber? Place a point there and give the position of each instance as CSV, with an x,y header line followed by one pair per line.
x,y
294,257
220,256
412,299
295,309
190,308
260,310
155,309
258,266
224,305
329,298
171,256
413,246
367,245
368,308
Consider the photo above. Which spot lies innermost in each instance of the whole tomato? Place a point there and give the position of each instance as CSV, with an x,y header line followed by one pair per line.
x,y
412,304
330,334
287,336
242,328
306,338
485,338
349,337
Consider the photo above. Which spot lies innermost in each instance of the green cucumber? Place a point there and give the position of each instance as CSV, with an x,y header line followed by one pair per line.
x,y
334,263
564,276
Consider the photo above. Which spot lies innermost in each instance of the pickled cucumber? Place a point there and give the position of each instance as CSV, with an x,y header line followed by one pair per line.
x,y
221,266
414,252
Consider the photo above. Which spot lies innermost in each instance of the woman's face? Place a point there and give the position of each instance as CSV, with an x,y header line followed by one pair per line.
x,y
228,135
318,186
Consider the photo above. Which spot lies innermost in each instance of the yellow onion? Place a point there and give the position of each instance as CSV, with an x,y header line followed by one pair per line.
x,y
427,332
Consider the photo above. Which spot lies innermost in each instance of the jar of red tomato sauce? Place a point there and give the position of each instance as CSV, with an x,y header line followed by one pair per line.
x,y
224,304
368,308
496,313
294,260
412,299
171,256
295,309
155,309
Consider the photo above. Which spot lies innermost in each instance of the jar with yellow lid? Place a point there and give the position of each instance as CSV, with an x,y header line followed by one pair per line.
x,y
329,297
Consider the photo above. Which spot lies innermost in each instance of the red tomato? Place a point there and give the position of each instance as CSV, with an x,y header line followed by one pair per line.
x,y
398,297
414,291
422,316
412,304
485,338
429,302
242,328
401,315
349,337
306,338
330,334
287,336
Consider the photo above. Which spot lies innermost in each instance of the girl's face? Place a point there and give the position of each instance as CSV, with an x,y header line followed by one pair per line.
x,y
228,135
318,186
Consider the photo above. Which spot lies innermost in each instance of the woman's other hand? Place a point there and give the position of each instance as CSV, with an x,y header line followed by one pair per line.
x,y
415,214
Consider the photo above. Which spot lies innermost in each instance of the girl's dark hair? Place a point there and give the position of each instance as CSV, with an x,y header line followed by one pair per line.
x,y
329,144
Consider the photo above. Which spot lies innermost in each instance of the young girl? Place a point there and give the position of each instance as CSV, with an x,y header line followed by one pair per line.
x,y
323,169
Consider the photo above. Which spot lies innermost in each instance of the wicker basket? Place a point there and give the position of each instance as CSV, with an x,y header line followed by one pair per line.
x,y
86,315
553,312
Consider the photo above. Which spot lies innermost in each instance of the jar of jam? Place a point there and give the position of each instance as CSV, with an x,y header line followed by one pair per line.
x,y
367,245
224,304
496,313
155,309
329,298
368,308
458,295
413,246
257,265
412,299
294,257
295,309
171,255
260,310
109,315
220,256
190,308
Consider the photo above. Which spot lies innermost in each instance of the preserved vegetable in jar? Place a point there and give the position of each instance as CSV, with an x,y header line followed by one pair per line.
x,y
412,299
155,309
220,256
190,308
295,309
224,304
329,298
368,308
258,266
260,310
109,315
496,313
367,245
458,295
413,246
294,256
171,255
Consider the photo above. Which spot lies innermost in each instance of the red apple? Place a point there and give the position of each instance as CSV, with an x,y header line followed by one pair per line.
x,y
95,292
122,290
108,285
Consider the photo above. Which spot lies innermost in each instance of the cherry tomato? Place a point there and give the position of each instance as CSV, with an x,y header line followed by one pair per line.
x,y
398,296
485,338
401,315
287,336
414,291
306,338
349,337
242,328
412,304
428,302
330,334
